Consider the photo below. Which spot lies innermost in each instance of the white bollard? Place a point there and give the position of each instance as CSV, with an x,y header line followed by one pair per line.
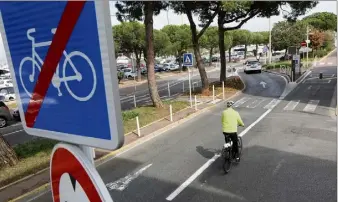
x,y
213,92
171,113
134,100
168,89
195,103
223,90
138,127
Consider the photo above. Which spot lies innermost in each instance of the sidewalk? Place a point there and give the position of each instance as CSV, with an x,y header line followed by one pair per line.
x,y
40,180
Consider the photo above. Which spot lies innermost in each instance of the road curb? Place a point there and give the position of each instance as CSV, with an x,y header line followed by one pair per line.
x,y
279,74
323,58
132,145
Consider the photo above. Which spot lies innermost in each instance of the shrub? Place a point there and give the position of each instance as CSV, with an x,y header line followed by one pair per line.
x,y
128,115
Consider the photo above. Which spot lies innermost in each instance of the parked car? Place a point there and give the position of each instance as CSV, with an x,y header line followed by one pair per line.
x,y
16,114
166,67
5,115
6,83
252,66
8,93
174,67
128,73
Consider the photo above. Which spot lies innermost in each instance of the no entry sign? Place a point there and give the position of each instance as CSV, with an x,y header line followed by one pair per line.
x,y
74,178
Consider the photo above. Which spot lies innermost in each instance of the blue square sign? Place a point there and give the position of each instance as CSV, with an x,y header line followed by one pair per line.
x,y
188,60
61,58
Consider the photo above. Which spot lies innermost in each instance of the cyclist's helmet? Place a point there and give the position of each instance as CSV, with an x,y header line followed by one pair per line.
x,y
230,103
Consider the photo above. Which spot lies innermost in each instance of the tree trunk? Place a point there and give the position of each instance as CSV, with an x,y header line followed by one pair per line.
x,y
229,54
198,58
221,47
256,50
210,56
150,62
7,154
180,62
138,65
245,50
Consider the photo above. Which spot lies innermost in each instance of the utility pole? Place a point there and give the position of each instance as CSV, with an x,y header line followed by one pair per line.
x,y
270,47
307,46
168,16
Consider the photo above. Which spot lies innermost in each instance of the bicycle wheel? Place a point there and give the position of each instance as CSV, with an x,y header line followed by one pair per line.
x,y
69,63
240,146
26,72
227,161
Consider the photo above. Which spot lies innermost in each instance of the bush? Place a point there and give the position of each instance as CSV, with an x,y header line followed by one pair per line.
x,y
278,65
235,83
128,115
321,53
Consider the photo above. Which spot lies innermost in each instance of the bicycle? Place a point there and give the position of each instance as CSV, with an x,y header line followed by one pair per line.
x,y
37,62
227,153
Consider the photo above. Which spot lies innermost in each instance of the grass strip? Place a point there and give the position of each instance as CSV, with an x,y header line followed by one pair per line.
x,y
35,154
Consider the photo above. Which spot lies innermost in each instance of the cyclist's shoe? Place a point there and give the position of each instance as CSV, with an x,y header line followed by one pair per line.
x,y
238,159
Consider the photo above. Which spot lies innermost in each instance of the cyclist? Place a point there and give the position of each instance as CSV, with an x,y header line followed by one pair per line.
x,y
230,120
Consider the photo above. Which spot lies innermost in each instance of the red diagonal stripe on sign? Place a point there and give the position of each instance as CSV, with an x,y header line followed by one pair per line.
x,y
64,30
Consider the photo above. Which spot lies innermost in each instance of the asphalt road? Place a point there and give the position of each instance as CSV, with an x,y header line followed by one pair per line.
x,y
153,171
289,150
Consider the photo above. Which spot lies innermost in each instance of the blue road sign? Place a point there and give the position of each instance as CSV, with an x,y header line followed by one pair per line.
x,y
80,102
188,59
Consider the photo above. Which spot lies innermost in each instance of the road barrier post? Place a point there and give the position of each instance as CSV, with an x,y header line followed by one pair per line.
x,y
134,100
190,87
138,127
291,76
321,75
223,90
168,89
213,92
195,103
183,86
171,113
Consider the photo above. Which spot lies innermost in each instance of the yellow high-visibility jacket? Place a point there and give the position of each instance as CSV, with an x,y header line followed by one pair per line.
x,y
231,120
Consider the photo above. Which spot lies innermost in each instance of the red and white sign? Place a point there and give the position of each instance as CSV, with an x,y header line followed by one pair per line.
x,y
74,178
303,43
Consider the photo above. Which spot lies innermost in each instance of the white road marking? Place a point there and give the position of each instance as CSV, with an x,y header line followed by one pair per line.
x,y
309,88
329,81
291,105
192,178
329,63
322,63
122,183
333,75
12,132
279,165
272,104
177,191
311,106
241,101
255,103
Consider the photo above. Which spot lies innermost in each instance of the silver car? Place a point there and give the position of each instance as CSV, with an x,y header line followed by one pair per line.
x,y
5,115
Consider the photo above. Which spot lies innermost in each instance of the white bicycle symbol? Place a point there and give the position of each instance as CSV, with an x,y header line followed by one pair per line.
x,y
57,80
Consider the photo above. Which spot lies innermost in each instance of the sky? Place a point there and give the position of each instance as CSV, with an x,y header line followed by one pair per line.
x,y
165,18
254,25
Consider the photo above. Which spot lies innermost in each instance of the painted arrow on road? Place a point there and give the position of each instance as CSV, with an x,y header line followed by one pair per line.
x,y
263,84
122,183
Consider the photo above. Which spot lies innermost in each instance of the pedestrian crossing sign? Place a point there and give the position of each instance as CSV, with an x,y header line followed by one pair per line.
x,y
187,59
